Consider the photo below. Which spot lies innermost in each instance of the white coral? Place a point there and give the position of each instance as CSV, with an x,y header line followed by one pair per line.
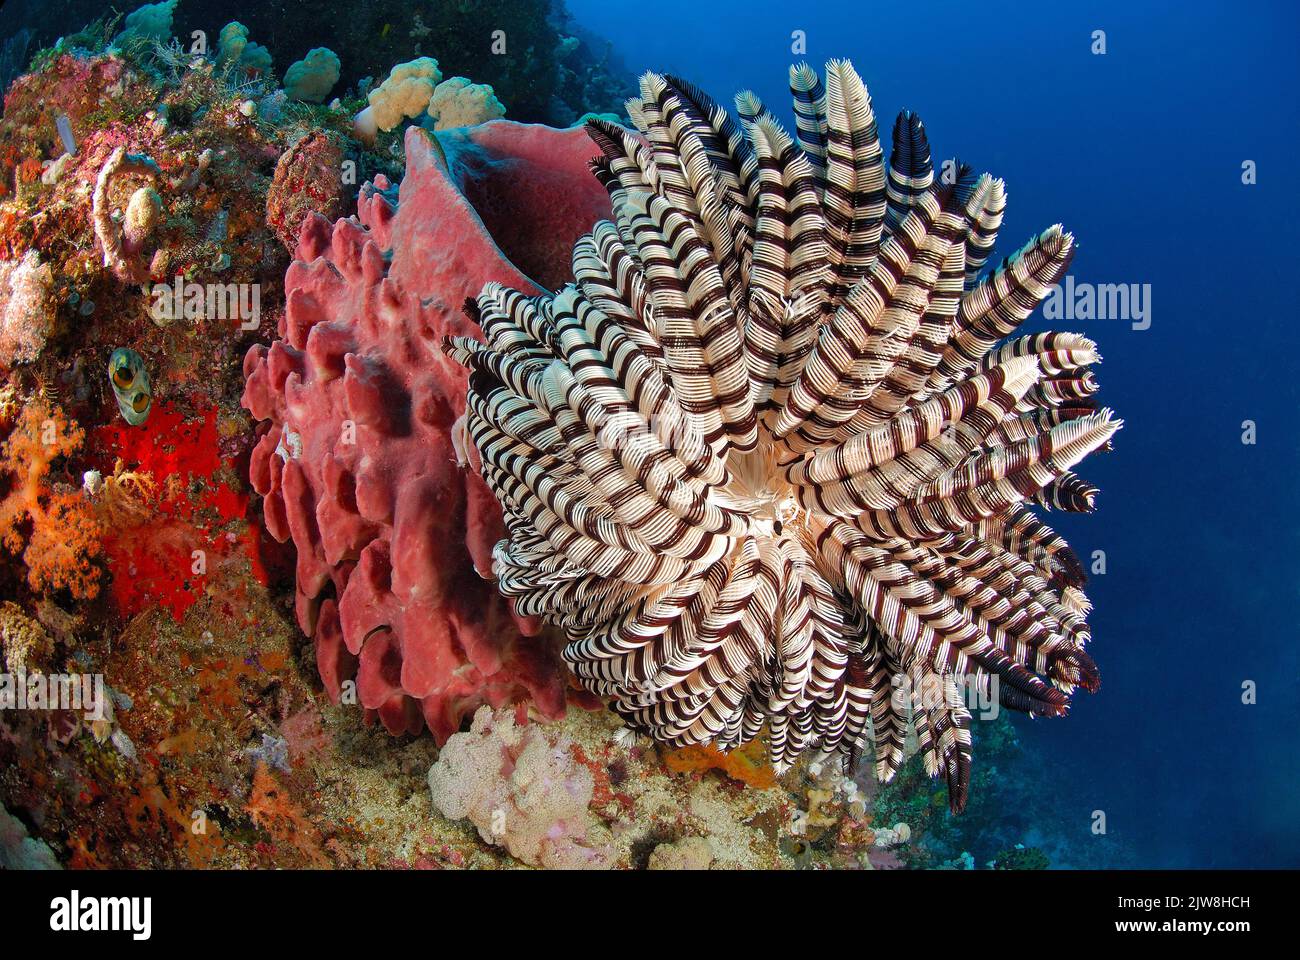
x,y
522,788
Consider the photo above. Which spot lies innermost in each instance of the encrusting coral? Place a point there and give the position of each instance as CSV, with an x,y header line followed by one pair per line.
x,y
523,790
358,460
769,460
306,181
688,853
24,643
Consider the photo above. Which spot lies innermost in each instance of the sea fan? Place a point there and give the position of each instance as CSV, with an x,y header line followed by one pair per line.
x,y
769,460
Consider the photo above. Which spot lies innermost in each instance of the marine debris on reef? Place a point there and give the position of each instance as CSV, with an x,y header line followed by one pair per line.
x,y
769,458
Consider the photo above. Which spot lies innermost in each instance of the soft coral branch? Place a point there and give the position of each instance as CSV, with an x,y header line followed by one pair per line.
x,y
57,527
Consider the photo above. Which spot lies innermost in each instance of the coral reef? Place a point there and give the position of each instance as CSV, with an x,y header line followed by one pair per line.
x,y
547,67
581,794
123,245
769,459
688,853
134,550
18,851
1021,857
358,461
24,643
522,789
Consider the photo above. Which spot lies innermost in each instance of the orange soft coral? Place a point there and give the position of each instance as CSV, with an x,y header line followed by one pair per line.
x,y
745,763
57,526
273,810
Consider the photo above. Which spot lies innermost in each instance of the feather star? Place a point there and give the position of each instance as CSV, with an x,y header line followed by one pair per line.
x,y
770,459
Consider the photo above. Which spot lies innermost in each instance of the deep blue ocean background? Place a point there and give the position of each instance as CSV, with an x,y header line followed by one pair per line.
x,y
1140,153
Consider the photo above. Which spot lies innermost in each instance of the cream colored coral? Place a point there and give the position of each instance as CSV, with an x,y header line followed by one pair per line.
x,y
406,93
143,214
523,790
457,102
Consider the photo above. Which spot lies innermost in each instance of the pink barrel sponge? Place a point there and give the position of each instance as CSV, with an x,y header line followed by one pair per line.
x,y
356,459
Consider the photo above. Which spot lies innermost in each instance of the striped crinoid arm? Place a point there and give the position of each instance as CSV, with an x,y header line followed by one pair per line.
x,y
809,95
788,277
911,172
943,733
905,591
778,451
872,329
984,233
854,193
997,306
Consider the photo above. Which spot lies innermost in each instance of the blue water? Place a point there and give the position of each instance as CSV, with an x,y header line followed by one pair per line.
x,y
1140,153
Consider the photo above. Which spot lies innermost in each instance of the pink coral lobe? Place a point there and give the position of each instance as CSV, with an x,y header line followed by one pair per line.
x,y
356,459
